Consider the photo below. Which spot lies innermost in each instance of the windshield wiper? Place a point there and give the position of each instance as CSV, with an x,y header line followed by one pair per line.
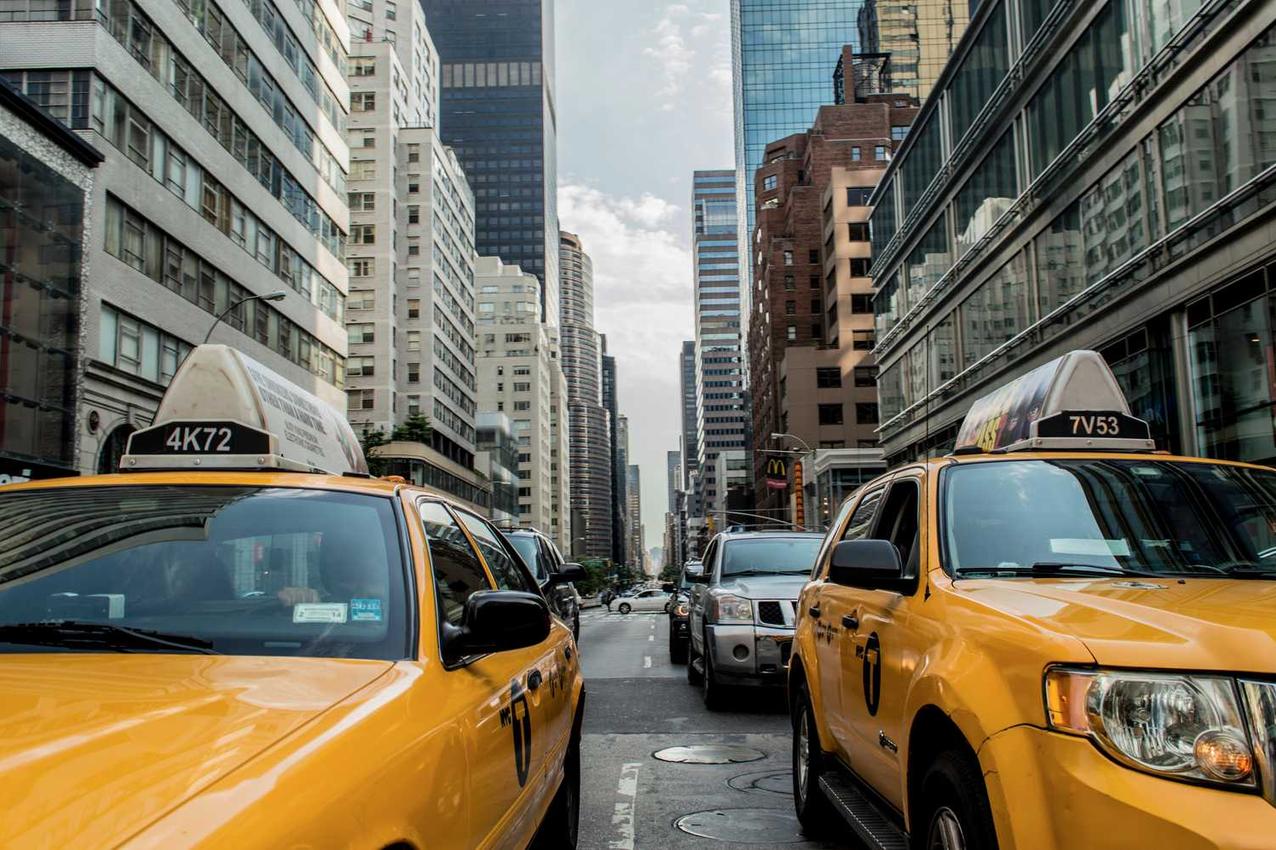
x,y
1041,568
78,633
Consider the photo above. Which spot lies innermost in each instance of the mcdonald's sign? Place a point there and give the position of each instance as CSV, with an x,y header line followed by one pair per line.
x,y
777,474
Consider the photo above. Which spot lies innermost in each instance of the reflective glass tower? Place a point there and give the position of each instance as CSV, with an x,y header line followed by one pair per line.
x,y
783,56
497,113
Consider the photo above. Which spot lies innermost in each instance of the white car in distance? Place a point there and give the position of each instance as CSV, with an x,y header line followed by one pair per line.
x,y
644,600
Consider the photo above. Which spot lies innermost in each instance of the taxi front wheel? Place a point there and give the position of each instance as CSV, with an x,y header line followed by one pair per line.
x,y
813,810
955,814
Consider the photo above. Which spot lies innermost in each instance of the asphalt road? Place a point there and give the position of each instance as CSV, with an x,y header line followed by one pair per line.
x,y
638,703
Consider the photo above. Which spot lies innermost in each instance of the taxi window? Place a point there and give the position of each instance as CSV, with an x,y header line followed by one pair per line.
x,y
457,570
827,546
233,570
506,571
1144,516
862,520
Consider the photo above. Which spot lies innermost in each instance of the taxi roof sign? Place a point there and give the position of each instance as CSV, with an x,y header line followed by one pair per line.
x,y
224,410
1072,403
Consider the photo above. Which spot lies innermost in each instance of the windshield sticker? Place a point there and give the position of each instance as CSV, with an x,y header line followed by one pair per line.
x,y
319,612
1088,546
365,610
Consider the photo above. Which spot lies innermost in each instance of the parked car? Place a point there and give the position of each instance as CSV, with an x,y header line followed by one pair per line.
x,y
644,600
742,609
680,614
545,563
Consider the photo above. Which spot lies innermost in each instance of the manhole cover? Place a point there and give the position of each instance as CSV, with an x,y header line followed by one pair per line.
x,y
710,754
744,826
773,782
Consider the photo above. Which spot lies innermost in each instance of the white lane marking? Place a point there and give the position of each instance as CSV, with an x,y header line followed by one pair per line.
x,y
646,662
651,637
623,816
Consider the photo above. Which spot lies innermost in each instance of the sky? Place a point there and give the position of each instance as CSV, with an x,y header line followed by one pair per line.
x,y
644,99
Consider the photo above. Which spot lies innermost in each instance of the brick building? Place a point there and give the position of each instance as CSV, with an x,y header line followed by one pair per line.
x,y
810,337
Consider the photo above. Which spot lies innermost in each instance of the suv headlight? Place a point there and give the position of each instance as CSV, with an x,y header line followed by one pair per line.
x,y
731,609
681,609
1177,726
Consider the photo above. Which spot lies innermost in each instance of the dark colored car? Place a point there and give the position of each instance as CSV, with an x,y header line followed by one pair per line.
x,y
680,615
544,561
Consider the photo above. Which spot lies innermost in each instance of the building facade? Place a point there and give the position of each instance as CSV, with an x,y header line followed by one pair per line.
x,y
223,129
410,317
46,189
917,35
812,377
687,393
498,113
520,377
1114,197
589,465
633,518
782,56
497,458
619,458
721,406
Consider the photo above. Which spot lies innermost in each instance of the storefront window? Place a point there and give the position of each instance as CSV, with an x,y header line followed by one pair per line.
x,y
987,195
929,261
1231,349
995,312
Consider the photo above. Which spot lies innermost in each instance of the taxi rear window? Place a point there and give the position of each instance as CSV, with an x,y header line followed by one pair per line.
x,y
234,570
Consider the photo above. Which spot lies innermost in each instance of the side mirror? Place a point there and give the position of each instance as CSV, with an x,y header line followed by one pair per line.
x,y
667,587
568,573
498,621
697,575
869,564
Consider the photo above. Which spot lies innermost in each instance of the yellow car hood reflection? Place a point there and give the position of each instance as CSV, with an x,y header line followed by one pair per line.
x,y
94,747
1166,623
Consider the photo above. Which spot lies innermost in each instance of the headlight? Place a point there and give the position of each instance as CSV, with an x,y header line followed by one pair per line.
x,y
731,609
1186,727
682,610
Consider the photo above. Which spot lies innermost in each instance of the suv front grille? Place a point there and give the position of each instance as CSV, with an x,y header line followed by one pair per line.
x,y
771,613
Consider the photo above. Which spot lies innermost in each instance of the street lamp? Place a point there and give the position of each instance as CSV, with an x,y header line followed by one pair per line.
x,y
277,295
794,438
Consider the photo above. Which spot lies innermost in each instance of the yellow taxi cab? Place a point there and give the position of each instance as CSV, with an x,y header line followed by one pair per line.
x,y
1054,638
245,641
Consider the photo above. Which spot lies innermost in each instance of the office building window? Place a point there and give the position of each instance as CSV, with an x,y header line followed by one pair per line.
x,y
866,413
830,414
929,261
828,377
361,333
414,308
856,156
996,311
769,183
988,193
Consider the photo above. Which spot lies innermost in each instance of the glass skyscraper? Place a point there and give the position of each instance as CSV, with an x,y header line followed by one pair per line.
x,y
721,415
783,56
497,113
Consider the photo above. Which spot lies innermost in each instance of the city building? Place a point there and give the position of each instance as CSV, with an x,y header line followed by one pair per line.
x,y
1114,195
687,392
520,377
498,113
589,462
673,474
633,513
721,407
423,466
497,458
782,53
619,458
224,181
410,315
46,191
918,36
560,511
811,324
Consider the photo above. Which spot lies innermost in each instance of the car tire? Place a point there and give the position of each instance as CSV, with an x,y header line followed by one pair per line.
x,y
955,813
694,676
677,649
561,828
576,627
813,809
711,689
624,608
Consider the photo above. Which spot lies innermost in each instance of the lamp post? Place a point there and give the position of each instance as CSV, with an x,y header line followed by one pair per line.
x,y
277,295
801,520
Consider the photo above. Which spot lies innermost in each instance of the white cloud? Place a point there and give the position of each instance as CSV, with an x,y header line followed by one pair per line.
x,y
672,53
643,301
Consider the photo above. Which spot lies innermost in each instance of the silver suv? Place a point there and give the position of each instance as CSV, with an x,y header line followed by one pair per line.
x,y
742,609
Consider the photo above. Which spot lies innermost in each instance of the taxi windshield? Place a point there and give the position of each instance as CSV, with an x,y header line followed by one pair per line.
x,y
1095,516
766,555
233,570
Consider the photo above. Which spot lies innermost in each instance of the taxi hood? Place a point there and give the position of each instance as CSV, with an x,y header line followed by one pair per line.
x,y
1168,623
95,747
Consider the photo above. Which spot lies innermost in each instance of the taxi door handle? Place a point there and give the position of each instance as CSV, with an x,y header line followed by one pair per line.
x,y
851,622
533,680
